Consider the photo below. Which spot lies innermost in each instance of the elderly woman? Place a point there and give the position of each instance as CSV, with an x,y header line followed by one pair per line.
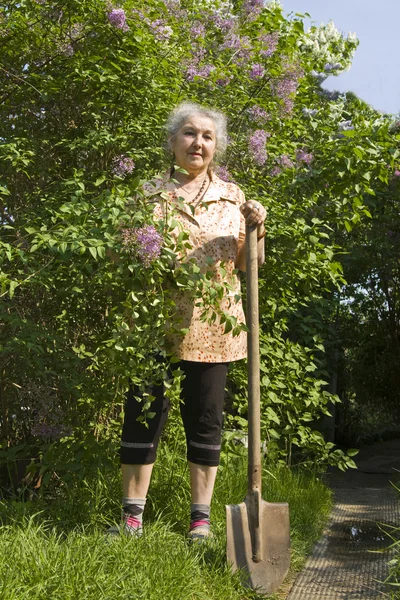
x,y
215,214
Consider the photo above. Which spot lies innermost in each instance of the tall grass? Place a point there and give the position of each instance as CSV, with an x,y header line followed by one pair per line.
x,y
54,548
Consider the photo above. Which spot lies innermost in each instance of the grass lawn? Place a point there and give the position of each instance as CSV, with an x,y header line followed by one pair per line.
x,y
54,547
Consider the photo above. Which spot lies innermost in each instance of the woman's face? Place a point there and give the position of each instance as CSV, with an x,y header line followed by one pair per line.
x,y
194,144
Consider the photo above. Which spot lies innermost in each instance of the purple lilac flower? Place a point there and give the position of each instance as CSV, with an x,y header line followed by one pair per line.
x,y
257,71
145,243
286,162
122,166
223,82
245,50
269,42
197,29
194,70
223,173
232,42
160,31
257,144
288,106
174,9
284,87
223,23
252,8
275,171
117,18
303,156
256,113
397,173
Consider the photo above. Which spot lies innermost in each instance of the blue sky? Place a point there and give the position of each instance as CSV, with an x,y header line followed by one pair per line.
x,y
375,73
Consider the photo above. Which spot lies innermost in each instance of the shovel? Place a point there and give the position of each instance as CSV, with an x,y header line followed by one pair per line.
x,y
258,534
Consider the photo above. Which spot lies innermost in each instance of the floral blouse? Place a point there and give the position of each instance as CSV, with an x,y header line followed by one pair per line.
x,y
216,230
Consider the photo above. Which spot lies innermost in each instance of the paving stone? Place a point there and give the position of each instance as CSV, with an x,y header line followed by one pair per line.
x,y
350,560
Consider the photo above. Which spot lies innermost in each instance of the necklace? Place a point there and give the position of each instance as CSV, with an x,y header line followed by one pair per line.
x,y
199,193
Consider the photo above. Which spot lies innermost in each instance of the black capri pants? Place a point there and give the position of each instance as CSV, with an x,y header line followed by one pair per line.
x,y
203,390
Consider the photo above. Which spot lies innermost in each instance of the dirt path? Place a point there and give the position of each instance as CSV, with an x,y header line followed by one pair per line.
x,y
342,566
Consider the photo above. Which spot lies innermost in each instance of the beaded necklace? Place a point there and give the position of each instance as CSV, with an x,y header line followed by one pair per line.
x,y
200,193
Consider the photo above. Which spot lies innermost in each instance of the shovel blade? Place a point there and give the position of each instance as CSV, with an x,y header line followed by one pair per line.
x,y
267,575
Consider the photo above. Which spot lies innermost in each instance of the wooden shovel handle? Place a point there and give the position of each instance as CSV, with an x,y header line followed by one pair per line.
x,y
253,362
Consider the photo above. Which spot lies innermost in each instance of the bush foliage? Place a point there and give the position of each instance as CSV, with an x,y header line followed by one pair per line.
x,y
85,90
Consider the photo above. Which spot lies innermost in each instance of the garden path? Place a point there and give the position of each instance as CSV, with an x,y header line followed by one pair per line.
x,y
342,566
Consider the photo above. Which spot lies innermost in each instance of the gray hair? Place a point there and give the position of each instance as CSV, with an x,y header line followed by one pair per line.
x,y
185,110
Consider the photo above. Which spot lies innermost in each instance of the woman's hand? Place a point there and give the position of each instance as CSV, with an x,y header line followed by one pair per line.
x,y
254,213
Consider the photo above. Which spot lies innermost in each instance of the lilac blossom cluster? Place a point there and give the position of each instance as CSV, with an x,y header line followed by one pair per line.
x,y
305,157
223,22
284,87
144,242
194,70
252,8
258,114
161,31
122,166
197,30
285,162
257,71
117,18
223,81
275,171
397,173
231,42
244,54
223,173
257,143
269,43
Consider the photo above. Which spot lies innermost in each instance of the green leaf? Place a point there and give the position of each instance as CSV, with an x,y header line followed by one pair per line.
x,y
352,451
12,288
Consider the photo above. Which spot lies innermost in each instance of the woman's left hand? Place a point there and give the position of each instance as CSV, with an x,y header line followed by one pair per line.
x,y
254,213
